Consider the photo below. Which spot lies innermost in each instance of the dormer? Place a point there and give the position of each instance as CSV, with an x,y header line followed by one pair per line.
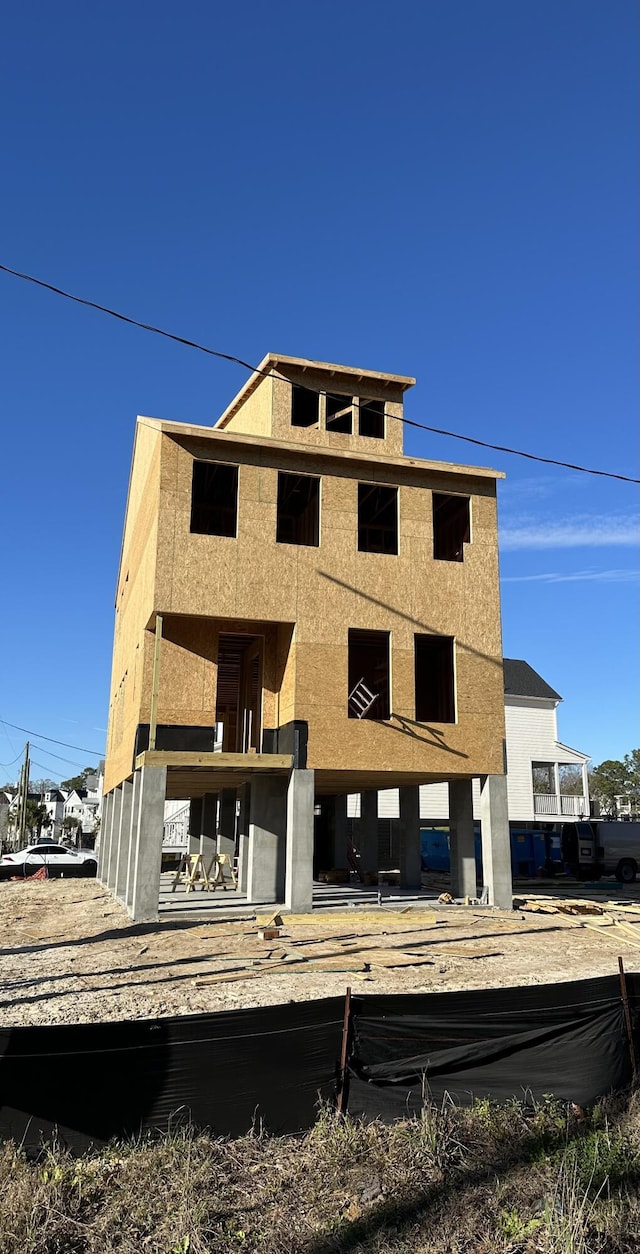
x,y
317,403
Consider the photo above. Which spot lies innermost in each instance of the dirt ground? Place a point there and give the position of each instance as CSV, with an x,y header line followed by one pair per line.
x,y
70,954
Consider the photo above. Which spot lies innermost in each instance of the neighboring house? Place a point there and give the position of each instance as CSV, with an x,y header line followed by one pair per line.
x,y
547,782
175,835
82,804
14,811
626,807
54,803
6,799
302,612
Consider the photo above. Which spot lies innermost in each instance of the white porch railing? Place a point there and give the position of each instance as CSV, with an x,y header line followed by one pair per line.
x,y
554,804
176,828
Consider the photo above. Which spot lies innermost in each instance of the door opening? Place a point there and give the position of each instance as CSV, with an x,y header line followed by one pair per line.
x,y
239,692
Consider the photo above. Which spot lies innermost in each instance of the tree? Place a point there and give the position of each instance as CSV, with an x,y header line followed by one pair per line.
x,y
632,763
613,779
37,817
70,824
40,786
78,781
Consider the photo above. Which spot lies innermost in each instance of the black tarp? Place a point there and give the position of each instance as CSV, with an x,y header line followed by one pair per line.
x,y
220,1071
568,1040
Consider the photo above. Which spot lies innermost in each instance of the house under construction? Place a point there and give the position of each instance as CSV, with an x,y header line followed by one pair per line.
x,y
302,613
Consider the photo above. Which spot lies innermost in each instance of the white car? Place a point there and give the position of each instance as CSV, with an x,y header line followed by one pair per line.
x,y
58,860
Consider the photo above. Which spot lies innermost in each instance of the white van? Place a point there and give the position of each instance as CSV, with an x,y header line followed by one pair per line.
x,y
595,847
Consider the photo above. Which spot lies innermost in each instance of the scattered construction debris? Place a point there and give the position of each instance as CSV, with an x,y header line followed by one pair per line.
x,y
91,964
602,917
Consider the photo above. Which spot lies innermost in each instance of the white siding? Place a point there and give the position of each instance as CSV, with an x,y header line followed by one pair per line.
x,y
434,803
388,804
532,736
532,733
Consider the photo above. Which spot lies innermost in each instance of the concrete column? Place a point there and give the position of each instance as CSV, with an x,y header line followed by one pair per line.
x,y
195,824
299,865
133,836
105,837
124,841
338,830
368,832
462,839
227,822
496,844
410,861
115,839
243,836
148,844
208,826
267,839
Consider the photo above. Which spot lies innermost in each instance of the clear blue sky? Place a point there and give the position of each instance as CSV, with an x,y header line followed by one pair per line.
x,y
443,188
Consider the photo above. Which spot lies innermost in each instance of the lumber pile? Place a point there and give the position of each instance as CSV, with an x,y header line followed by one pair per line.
x,y
602,918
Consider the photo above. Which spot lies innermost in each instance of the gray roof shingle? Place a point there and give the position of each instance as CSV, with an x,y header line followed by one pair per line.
x,y
520,680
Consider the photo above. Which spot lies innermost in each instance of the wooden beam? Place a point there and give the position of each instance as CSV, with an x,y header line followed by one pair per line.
x,y
275,762
153,721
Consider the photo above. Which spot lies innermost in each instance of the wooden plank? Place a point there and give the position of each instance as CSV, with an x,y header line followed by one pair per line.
x,y
226,977
622,926
278,763
357,917
453,952
619,937
578,907
155,683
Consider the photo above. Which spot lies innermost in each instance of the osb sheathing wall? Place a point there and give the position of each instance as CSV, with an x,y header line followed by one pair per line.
x,y
374,389
254,416
135,601
263,406
326,590
188,670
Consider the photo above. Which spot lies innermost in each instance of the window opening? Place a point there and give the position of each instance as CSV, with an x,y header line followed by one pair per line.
x,y
371,419
339,413
377,518
298,520
368,671
305,407
214,499
435,689
451,527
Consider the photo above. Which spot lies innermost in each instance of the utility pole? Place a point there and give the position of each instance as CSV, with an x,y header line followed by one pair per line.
x,y
24,797
15,838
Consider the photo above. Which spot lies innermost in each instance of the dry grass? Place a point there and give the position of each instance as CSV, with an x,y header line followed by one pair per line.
x,y
518,1180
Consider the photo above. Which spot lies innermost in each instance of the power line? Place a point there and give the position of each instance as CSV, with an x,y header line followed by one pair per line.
x,y
42,765
11,744
64,743
8,764
57,756
238,361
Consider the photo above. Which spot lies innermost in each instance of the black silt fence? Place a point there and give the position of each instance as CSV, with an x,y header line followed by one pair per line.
x,y
92,1082
89,1083
567,1040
